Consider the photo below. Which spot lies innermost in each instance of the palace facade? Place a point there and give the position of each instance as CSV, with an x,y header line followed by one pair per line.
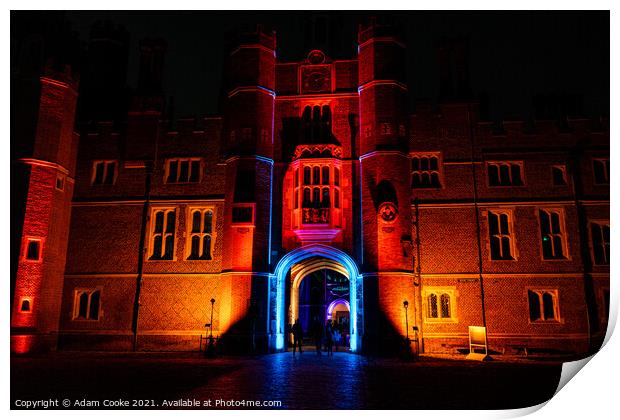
x,y
316,195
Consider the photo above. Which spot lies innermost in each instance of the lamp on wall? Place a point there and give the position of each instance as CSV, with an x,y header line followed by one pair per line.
x,y
406,306
211,324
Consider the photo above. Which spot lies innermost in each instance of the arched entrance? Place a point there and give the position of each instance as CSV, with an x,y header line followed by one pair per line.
x,y
317,287
302,262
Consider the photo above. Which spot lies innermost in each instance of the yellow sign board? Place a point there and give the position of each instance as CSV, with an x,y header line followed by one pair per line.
x,y
478,348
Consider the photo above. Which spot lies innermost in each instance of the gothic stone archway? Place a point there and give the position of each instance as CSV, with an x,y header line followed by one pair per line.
x,y
307,259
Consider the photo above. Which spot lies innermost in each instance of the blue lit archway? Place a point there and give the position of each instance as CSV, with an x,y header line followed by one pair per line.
x,y
277,299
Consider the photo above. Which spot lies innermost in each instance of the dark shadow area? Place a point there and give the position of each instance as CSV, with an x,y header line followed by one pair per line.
x,y
300,382
100,376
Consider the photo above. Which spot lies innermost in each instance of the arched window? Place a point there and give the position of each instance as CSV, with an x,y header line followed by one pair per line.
x,y
440,305
316,175
424,164
543,305
200,235
87,304
336,176
325,202
307,115
196,216
93,310
534,304
316,115
416,180
548,310
83,308
337,198
307,175
325,173
445,305
432,306
195,248
415,164
434,166
208,227
206,247
425,171
316,197
306,202
162,234
327,115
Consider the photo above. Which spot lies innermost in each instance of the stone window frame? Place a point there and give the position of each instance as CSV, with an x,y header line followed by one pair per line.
x,y
23,299
178,160
106,165
75,313
606,168
564,171
512,234
150,249
599,222
61,179
498,163
27,240
431,154
452,293
540,291
566,256
189,222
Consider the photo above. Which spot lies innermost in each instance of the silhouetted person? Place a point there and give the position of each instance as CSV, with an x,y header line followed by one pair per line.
x,y
329,338
298,336
337,337
318,335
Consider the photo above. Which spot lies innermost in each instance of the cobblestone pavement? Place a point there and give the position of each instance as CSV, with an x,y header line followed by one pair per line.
x,y
309,381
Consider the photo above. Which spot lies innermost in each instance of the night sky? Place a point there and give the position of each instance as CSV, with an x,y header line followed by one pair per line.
x,y
514,56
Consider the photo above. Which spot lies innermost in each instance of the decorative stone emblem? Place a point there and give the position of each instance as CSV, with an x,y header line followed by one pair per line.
x,y
388,211
316,57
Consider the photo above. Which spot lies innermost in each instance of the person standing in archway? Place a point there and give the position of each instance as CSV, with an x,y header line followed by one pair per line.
x,y
337,336
298,336
329,338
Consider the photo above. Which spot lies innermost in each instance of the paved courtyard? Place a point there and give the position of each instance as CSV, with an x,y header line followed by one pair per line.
x,y
344,381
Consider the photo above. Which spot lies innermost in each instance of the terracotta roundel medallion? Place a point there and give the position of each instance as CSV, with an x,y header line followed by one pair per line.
x,y
388,211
